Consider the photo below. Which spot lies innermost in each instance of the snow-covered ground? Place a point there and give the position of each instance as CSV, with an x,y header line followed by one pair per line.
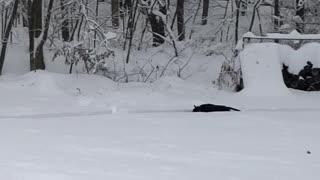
x,y
67,127
175,145
80,127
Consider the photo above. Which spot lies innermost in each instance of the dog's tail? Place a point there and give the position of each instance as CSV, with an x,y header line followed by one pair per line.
x,y
234,109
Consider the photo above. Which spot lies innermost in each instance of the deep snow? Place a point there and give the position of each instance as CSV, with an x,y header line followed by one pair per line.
x,y
261,69
79,127
244,146
43,92
65,127
261,65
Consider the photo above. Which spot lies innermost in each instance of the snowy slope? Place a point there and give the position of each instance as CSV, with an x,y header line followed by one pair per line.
x,y
42,92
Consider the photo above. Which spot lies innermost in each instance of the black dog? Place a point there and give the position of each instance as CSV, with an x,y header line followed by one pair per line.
x,y
212,108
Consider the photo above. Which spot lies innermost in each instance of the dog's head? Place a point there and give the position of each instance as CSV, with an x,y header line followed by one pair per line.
x,y
196,108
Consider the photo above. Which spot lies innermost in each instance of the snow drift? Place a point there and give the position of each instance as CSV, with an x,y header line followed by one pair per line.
x,y
261,65
261,70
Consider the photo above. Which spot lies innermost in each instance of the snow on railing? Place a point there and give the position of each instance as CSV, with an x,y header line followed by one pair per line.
x,y
294,35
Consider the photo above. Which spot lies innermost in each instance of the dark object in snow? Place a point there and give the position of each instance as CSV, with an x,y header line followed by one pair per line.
x,y
212,108
308,79
308,152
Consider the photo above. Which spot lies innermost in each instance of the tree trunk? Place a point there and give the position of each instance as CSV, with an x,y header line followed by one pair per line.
x,y
205,12
5,19
37,58
158,27
254,14
244,5
36,17
238,2
131,18
65,22
7,34
2,20
180,19
276,15
115,13
96,27
31,33
128,4
300,13
131,29
24,4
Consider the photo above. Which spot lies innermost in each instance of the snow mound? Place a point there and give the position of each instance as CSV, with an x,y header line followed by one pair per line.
x,y
297,59
45,83
261,65
85,84
261,69
42,82
167,82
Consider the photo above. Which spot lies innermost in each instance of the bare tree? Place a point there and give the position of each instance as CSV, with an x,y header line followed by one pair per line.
x,y
131,27
36,52
244,7
65,21
36,17
205,12
115,13
255,8
157,23
180,19
276,15
2,18
7,34
238,4
300,13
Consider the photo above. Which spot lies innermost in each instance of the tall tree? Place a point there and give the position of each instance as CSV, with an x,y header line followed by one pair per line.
x,y
65,22
36,52
158,24
131,28
276,15
244,7
96,27
300,13
2,19
24,12
36,17
180,19
236,29
115,13
205,12
7,34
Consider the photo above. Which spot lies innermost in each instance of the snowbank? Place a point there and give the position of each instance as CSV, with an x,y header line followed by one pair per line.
x,y
262,64
261,69
297,59
43,93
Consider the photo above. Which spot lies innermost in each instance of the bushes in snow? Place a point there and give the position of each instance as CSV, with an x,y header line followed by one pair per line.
x,y
94,62
230,78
